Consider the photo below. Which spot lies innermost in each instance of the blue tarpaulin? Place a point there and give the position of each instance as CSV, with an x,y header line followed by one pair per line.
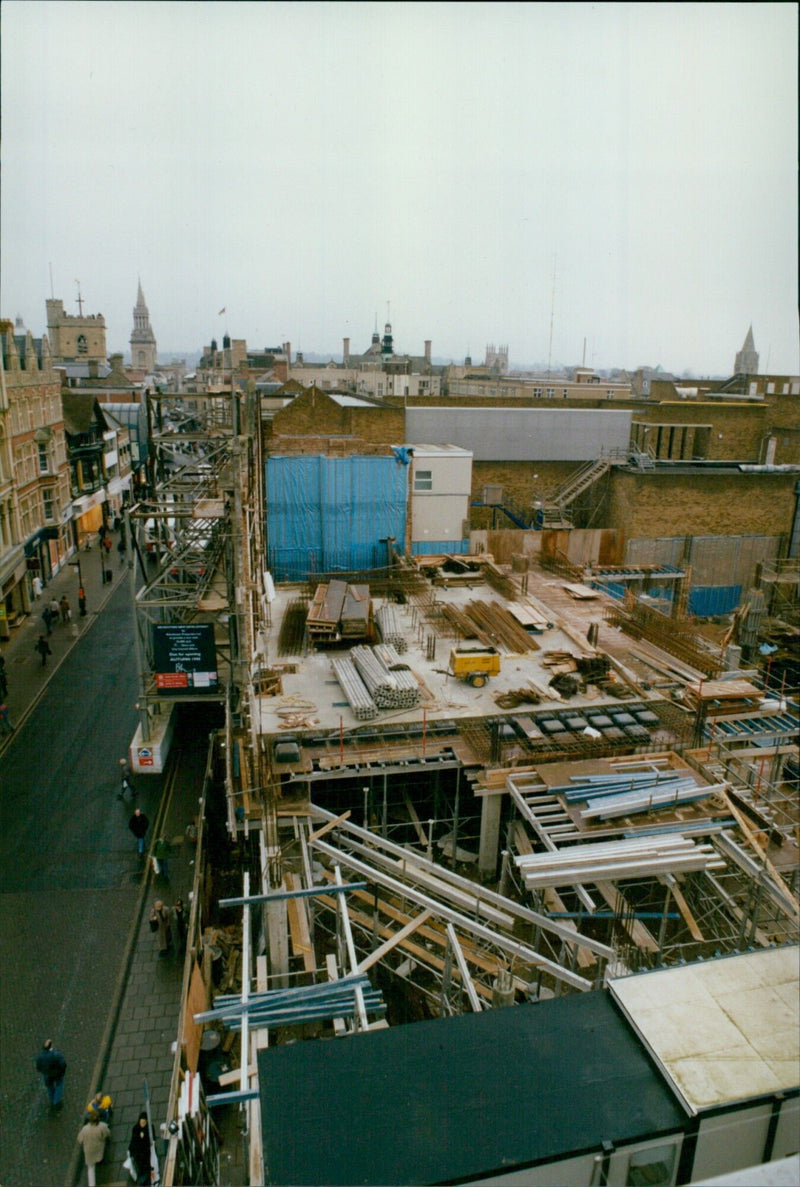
x,y
706,601
330,514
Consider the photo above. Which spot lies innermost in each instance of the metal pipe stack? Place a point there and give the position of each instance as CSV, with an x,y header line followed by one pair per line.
x,y
362,704
389,628
608,861
402,674
621,794
389,690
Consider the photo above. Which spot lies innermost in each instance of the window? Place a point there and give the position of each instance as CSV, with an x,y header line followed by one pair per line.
x,y
550,393
47,503
651,1168
83,346
44,460
423,480
565,393
537,393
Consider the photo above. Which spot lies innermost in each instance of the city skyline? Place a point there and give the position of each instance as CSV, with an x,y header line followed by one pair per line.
x,y
536,175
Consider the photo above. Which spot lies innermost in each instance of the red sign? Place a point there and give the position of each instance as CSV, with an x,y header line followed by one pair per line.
x,y
172,680
145,757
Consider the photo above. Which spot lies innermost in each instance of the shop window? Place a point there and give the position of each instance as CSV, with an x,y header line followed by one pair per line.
x,y
423,480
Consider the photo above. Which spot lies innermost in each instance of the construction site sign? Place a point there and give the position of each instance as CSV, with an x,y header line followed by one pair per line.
x,y
185,659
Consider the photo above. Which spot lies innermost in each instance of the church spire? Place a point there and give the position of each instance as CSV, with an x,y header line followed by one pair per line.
x,y
746,362
143,340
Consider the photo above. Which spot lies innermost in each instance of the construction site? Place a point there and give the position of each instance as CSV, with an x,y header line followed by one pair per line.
x,y
462,798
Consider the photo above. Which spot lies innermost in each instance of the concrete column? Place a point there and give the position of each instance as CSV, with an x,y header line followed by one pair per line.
x,y
490,835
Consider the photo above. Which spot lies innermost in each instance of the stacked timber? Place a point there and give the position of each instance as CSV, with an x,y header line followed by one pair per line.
x,y
389,689
607,861
389,628
724,698
337,611
362,704
500,627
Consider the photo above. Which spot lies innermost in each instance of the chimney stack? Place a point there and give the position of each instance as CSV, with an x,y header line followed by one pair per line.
x,y
427,350
346,351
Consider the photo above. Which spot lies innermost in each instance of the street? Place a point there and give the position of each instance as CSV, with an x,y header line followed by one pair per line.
x,y
70,877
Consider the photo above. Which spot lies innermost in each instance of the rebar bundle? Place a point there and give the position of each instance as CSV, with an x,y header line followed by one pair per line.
x,y
389,627
388,689
362,704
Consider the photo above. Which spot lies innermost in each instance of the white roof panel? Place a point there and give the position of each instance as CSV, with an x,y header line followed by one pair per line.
x,y
724,1030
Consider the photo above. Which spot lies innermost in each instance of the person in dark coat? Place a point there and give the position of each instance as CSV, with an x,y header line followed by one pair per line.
x,y
139,1149
52,1067
43,647
179,911
139,824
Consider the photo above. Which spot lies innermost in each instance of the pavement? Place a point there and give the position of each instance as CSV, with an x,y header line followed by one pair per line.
x,y
137,1051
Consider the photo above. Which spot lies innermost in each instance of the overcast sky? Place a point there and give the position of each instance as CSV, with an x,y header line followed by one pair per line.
x,y
624,173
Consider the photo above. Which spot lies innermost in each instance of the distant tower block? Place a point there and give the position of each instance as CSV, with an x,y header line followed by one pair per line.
x,y
143,340
747,358
497,359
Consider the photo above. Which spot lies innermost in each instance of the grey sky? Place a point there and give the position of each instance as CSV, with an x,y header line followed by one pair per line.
x,y
303,164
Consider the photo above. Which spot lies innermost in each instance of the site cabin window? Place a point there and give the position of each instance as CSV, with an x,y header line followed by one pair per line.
x,y
423,480
651,1168
537,393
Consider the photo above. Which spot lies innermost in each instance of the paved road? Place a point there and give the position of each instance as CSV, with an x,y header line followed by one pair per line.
x,y
69,878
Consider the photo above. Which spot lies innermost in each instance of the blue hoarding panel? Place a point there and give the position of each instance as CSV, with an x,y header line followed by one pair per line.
x,y
326,514
706,601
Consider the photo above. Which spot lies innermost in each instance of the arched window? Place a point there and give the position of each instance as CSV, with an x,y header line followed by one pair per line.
x,y
83,345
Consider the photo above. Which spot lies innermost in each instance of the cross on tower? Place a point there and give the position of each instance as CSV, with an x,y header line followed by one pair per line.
x,y
80,299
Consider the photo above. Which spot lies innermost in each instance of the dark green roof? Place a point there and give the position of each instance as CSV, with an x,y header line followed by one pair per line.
x,y
459,1098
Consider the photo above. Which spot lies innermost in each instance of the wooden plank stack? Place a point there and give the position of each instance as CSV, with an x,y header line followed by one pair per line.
x,y
337,611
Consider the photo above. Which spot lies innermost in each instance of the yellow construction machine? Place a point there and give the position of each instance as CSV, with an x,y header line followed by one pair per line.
x,y
474,664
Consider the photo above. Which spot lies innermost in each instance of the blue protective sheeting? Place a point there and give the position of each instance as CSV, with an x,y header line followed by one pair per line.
x,y
330,514
705,601
440,547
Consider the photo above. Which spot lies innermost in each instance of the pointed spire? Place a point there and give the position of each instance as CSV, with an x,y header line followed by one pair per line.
x,y
749,344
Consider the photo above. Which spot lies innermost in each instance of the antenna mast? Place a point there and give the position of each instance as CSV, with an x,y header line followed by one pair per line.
x,y
552,306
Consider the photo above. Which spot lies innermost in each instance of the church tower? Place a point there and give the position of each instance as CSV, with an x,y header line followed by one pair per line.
x,y
143,340
747,358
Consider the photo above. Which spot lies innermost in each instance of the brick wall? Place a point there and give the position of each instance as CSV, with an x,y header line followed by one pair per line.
x,y
654,505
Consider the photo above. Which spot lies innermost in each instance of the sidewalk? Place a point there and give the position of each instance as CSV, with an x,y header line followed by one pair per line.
x,y
27,679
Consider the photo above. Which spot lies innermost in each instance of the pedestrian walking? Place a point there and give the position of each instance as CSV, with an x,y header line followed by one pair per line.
x,y
47,619
100,1106
43,647
139,824
82,602
159,922
139,1149
52,1066
179,914
55,610
93,1137
122,548
66,612
6,725
125,785
161,852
